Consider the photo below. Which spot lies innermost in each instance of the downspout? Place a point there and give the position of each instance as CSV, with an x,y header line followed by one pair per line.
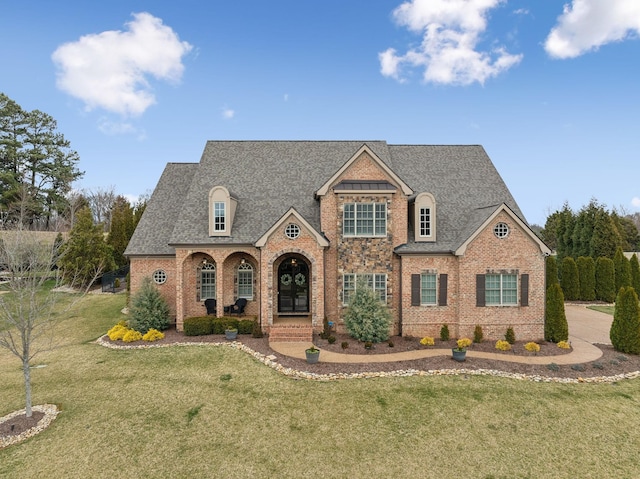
x,y
400,302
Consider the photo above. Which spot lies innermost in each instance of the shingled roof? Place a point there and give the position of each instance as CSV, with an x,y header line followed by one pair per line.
x,y
269,177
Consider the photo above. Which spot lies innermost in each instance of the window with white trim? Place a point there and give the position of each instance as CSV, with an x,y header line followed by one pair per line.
x,y
377,282
160,276
364,219
207,281
428,289
245,281
501,289
425,222
219,216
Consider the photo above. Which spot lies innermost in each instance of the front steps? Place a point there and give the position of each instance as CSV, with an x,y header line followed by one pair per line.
x,y
290,333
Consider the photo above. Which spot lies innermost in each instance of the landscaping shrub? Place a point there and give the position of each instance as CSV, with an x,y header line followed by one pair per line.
x,y
344,344
587,276
564,345
444,333
220,325
503,345
622,270
532,347
367,318
625,329
153,335
132,336
198,326
510,335
331,339
463,343
427,341
148,309
256,330
605,282
570,281
478,335
391,345
635,273
552,271
556,327
245,326
118,331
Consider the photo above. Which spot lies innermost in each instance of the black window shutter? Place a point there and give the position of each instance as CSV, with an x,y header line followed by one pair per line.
x,y
480,299
198,280
415,290
442,294
524,290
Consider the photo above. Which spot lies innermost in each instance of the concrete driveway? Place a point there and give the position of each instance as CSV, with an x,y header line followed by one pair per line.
x,y
588,325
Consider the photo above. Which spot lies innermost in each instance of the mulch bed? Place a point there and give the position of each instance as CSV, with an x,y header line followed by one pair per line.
x,y
19,424
611,363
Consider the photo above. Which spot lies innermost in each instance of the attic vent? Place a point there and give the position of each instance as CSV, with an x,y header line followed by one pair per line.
x,y
501,230
292,231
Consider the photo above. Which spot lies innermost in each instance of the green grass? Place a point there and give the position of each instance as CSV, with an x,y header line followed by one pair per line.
x,y
603,309
216,412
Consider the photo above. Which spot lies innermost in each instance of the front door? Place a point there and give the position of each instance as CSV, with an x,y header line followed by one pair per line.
x,y
293,286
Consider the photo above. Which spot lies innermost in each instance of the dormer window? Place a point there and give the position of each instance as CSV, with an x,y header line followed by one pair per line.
x,y
222,207
424,218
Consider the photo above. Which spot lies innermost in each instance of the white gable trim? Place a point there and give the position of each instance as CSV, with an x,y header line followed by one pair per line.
x,y
324,189
544,249
262,241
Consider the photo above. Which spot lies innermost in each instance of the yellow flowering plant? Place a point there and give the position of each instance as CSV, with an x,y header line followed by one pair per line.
x,y
463,344
153,335
532,347
427,341
503,345
564,345
132,336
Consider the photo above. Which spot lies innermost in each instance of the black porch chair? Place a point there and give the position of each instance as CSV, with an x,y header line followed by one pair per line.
x,y
210,304
237,307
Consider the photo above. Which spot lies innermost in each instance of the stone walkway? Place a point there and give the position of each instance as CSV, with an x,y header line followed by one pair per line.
x,y
586,328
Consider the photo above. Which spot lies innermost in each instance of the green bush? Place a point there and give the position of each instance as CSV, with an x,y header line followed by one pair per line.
x,y
245,326
552,271
625,329
587,276
444,333
556,328
570,281
478,335
622,270
635,273
510,335
256,330
367,318
148,309
605,282
198,326
220,325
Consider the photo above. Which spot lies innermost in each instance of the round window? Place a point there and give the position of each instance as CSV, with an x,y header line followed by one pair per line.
x,y
501,230
292,231
160,276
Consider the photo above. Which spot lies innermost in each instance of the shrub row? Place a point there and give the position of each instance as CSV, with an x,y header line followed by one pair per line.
x,y
203,325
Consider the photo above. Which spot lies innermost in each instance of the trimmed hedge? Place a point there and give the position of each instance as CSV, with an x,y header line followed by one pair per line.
x,y
203,325
245,326
198,326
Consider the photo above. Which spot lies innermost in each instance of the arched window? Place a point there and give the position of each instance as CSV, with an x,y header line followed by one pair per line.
x,y
425,217
245,281
207,281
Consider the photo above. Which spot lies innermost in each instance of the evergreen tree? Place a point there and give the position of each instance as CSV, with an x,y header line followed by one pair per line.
x,y
605,238
635,273
587,275
551,271
622,270
556,328
85,255
570,281
148,309
367,318
565,232
625,329
121,229
605,280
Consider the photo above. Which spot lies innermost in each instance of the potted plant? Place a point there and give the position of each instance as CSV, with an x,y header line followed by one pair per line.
x,y
460,352
231,333
313,354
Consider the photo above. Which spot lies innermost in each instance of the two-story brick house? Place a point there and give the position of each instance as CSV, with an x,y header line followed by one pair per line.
x,y
292,225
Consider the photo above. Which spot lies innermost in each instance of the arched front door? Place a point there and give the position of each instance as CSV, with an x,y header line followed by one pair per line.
x,y
293,286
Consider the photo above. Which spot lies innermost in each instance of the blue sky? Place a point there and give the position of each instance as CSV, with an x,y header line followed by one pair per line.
x,y
549,88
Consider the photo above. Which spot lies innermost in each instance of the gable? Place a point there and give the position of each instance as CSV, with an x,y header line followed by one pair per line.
x,y
292,217
364,168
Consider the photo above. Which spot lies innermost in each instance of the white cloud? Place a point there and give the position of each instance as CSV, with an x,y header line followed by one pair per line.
x,y
635,202
228,113
586,25
451,31
110,70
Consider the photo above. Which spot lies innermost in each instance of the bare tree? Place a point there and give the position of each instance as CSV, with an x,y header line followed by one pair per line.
x,y
29,309
101,203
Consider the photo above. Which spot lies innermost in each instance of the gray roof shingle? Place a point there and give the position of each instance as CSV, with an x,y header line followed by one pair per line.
x,y
269,177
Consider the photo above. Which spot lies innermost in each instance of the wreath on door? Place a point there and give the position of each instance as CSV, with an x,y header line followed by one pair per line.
x,y
286,279
300,279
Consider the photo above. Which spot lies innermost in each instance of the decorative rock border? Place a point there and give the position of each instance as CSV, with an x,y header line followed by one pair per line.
x,y
297,374
50,413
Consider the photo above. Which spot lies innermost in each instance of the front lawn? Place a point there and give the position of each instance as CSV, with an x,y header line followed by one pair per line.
x,y
603,309
216,412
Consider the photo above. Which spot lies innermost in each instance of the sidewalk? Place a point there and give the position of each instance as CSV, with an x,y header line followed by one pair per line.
x,y
586,327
